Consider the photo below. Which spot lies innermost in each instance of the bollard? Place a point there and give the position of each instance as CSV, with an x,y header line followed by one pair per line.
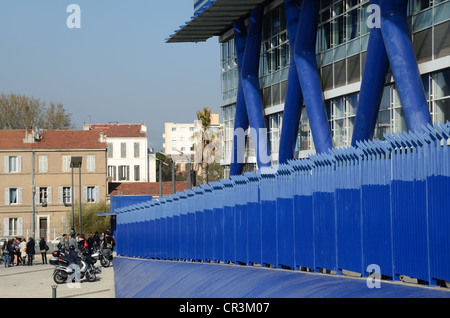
x,y
54,291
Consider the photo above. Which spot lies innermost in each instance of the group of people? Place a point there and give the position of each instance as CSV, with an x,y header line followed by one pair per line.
x,y
21,252
89,241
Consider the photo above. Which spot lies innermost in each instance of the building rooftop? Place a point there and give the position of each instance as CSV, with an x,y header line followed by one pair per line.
x,y
51,139
115,130
213,19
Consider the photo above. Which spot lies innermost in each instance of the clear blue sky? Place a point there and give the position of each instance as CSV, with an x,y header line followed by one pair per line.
x,y
117,67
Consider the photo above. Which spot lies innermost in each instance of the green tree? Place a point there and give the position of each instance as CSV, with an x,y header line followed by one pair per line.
x,y
90,222
23,112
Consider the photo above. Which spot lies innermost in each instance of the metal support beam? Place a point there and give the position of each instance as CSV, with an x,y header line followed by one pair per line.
x,y
294,97
399,48
250,85
241,122
305,59
372,86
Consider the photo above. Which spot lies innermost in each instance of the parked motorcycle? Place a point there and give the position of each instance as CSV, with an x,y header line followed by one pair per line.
x,y
103,255
87,269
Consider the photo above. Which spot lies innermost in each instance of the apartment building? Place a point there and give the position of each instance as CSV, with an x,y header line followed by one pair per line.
x,y
37,183
128,157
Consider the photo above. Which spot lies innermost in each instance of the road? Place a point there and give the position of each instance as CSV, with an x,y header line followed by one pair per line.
x,y
36,282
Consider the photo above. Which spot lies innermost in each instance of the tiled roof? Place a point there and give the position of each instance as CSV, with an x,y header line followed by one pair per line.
x,y
52,139
144,188
120,130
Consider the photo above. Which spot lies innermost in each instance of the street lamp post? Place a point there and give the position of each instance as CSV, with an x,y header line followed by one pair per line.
x,y
76,162
160,175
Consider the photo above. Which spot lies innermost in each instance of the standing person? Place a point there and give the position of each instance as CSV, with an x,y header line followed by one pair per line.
x,y
72,241
17,252
96,239
44,248
23,250
63,243
11,252
73,262
5,254
30,251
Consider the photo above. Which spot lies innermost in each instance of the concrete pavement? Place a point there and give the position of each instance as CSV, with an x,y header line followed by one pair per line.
x,y
36,282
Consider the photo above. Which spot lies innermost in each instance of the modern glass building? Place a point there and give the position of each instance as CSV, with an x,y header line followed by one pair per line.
x,y
342,34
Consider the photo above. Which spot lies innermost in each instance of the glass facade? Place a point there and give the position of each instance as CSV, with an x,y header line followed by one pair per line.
x,y
341,47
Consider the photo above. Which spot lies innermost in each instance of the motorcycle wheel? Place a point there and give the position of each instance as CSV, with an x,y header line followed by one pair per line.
x,y
59,278
105,262
90,276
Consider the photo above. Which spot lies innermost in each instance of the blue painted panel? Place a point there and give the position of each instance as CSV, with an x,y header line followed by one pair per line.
x,y
304,227
269,232
285,232
254,233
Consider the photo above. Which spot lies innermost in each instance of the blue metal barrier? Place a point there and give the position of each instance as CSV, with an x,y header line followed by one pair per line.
x,y
380,203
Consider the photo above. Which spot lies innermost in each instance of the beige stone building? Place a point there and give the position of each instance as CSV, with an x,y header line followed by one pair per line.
x,y
36,179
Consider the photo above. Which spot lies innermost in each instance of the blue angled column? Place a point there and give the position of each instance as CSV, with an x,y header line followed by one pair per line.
x,y
305,59
399,48
372,86
294,98
250,85
241,122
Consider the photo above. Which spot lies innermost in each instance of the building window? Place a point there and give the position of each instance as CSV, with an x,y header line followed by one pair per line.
x,y
13,196
43,164
13,164
123,150
91,194
110,150
43,195
136,150
124,173
112,172
66,163
13,227
65,195
137,173
90,165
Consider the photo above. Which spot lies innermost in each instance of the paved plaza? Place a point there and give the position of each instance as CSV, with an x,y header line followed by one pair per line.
x,y
36,282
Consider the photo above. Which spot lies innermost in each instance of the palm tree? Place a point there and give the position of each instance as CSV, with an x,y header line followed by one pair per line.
x,y
205,117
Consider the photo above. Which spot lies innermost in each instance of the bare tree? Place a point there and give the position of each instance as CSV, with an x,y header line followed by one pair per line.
x,y
21,112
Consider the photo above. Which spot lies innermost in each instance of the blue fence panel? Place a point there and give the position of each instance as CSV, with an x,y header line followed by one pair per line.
x,y
324,212
285,216
191,225
348,210
268,218
437,169
229,226
217,205
241,218
199,224
176,227
254,233
376,209
208,222
183,210
303,214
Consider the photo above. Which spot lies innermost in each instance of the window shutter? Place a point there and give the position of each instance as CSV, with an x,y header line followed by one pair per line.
x,y
6,196
97,194
19,195
19,164
6,227
49,195
37,196
6,164
60,195
85,194
20,226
